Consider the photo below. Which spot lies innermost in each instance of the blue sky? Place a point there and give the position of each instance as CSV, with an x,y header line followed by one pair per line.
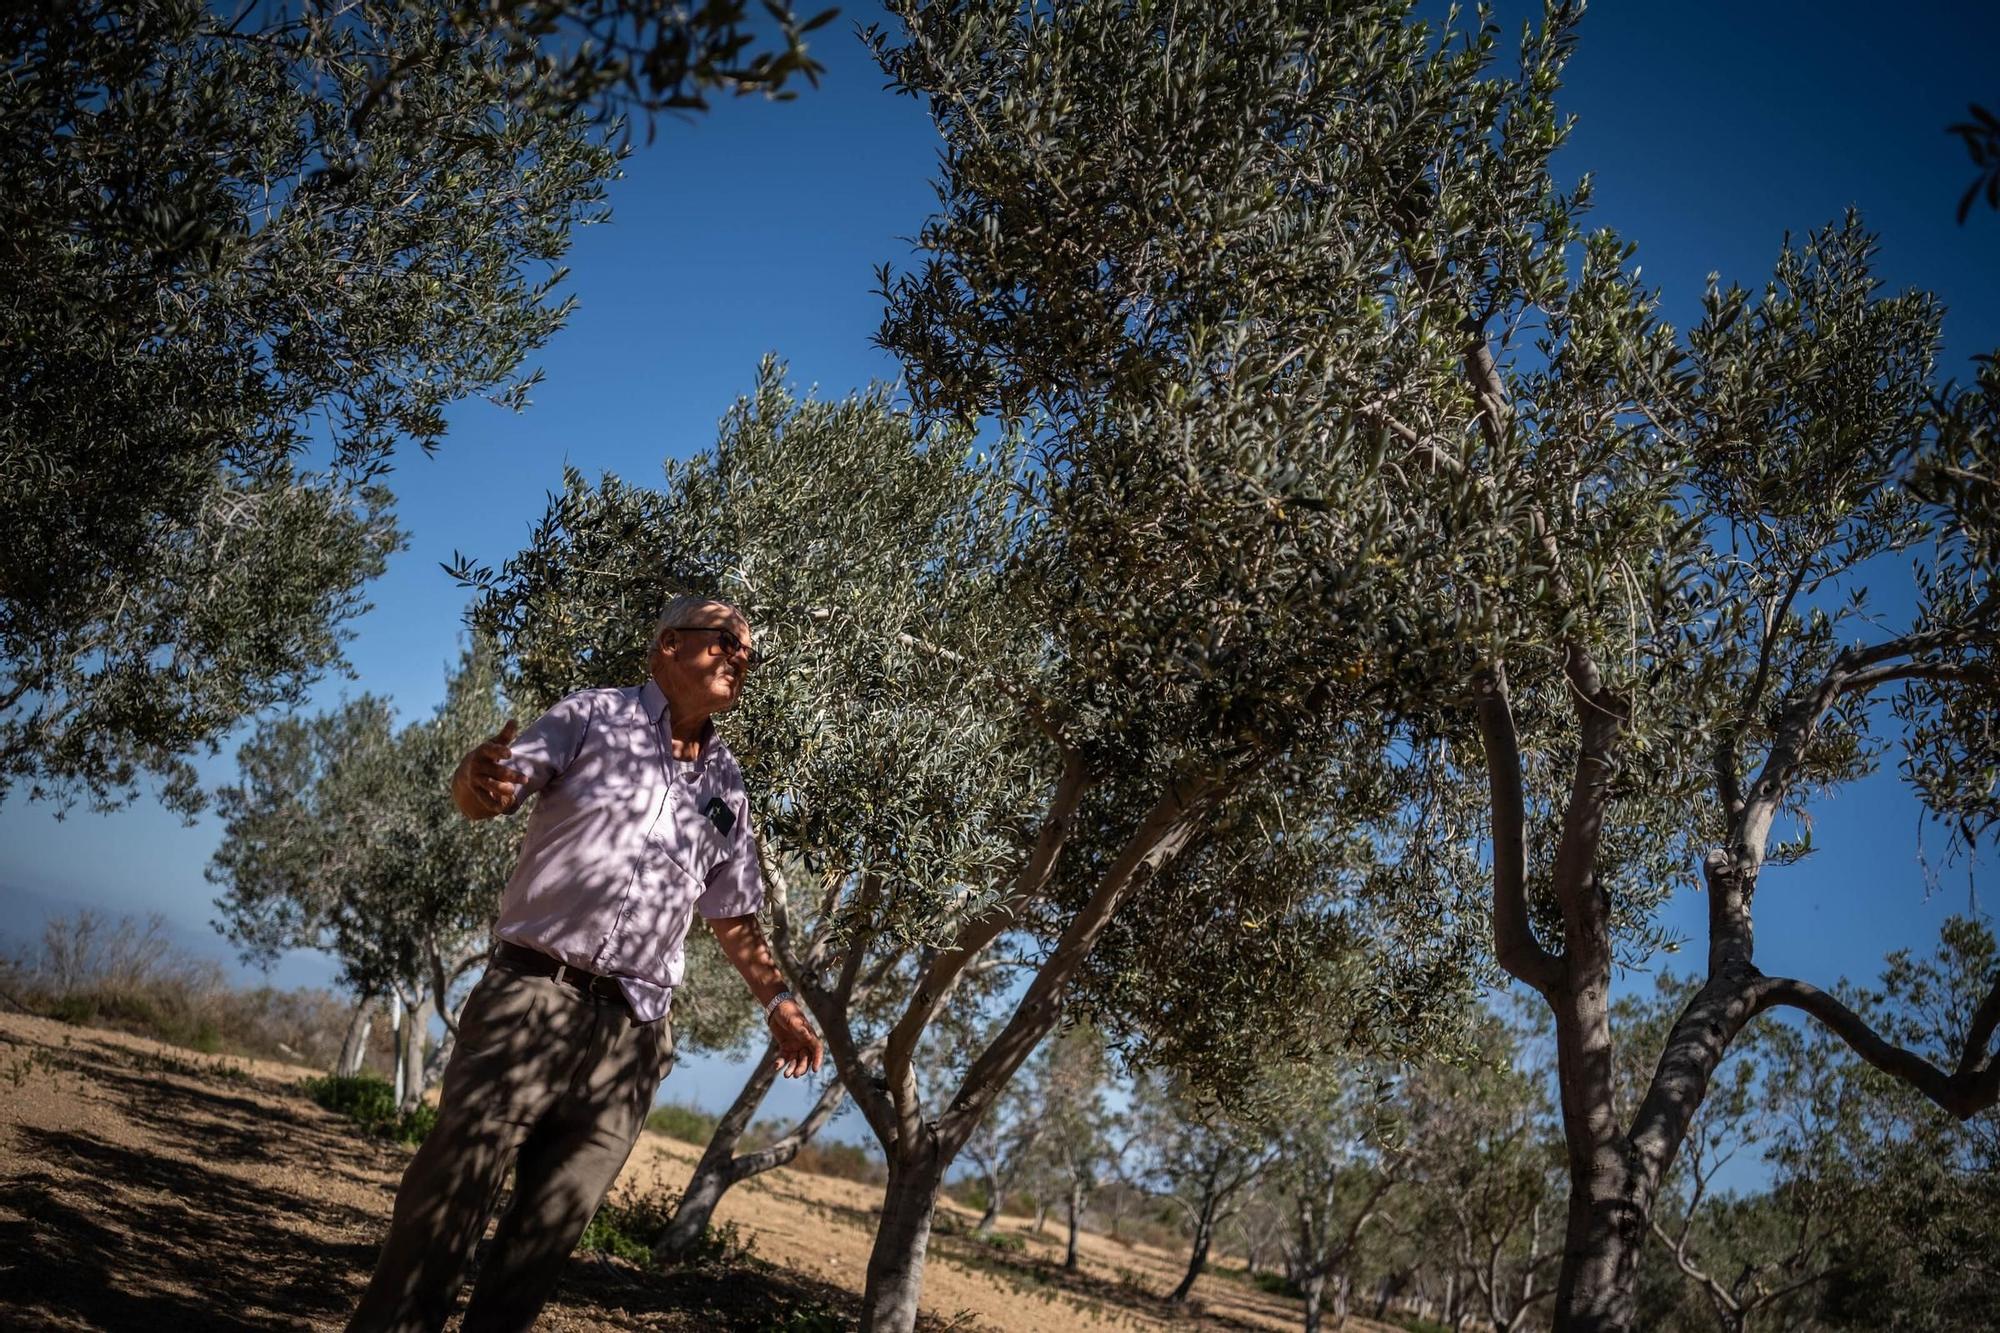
x,y
1711,129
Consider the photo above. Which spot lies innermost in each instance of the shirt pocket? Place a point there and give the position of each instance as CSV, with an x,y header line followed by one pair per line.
x,y
707,846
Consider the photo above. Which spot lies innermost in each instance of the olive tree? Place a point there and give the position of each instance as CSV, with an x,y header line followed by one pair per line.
x,y
904,742
1801,428
1190,1152
885,770
1074,1148
1485,1174
1638,604
250,250
340,835
1340,1141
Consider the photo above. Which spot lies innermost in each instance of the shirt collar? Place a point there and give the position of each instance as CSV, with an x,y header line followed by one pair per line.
x,y
654,700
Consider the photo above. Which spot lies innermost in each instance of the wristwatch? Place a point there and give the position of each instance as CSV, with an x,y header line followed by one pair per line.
x,y
771,1005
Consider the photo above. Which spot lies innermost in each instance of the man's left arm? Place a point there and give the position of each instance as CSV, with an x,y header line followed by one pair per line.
x,y
743,943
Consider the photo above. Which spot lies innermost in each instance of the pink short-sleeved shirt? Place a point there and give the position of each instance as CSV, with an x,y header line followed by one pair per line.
x,y
626,842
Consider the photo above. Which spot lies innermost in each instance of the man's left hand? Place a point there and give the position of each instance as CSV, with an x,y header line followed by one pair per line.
x,y
798,1045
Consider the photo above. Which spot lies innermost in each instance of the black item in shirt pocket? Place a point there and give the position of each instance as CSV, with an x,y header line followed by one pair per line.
x,y
720,815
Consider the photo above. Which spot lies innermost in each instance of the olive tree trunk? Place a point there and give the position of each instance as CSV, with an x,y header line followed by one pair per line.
x,y
991,1216
902,1239
354,1046
416,1028
1204,1235
1314,1290
721,1167
1075,1221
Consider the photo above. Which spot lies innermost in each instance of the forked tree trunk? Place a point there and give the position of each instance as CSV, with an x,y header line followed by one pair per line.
x,y
720,1168
1596,1291
896,1263
1615,1170
354,1046
711,1174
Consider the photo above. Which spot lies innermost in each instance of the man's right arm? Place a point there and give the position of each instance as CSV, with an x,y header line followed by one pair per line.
x,y
485,784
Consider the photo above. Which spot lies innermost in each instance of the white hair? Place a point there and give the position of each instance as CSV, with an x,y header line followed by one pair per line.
x,y
674,614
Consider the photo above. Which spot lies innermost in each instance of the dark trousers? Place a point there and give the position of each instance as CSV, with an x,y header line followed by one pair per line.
x,y
550,1081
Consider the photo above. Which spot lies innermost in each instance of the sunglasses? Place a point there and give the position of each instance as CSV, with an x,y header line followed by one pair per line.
x,y
726,640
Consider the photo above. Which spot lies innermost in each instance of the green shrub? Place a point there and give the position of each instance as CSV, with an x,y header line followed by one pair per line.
x,y
1277,1284
630,1225
606,1234
1013,1242
369,1100
73,1008
206,1037
689,1124
416,1124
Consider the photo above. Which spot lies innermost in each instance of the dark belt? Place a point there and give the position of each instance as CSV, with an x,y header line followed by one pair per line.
x,y
533,962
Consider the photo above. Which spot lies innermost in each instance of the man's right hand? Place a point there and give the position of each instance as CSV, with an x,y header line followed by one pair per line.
x,y
485,785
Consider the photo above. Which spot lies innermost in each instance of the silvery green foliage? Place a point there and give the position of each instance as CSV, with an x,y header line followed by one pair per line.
x,y
1912,1256
340,835
1315,913
870,559
614,57
1338,413
1229,259
248,254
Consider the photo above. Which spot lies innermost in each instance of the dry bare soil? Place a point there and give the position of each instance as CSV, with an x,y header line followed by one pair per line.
x,y
143,1187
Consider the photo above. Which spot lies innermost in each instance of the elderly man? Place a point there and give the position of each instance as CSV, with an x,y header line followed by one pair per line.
x,y
642,822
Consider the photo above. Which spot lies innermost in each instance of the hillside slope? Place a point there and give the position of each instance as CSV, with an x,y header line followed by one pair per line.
x,y
143,1187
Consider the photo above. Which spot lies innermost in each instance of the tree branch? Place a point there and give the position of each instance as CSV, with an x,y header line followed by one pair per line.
x,y
1602,716
1514,944
871,889
1861,682
785,1149
1716,1291
1854,670
830,1014
1972,1089
976,934
1166,829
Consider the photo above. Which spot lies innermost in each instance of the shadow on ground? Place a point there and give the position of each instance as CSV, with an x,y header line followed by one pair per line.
x,y
1085,1292
185,1201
